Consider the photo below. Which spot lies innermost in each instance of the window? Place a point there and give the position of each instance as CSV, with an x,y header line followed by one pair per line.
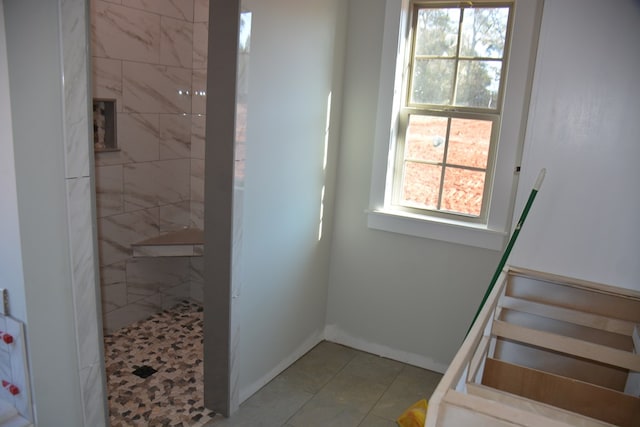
x,y
451,109
454,89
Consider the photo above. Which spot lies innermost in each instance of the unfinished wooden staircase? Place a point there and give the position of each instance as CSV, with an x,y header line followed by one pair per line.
x,y
546,351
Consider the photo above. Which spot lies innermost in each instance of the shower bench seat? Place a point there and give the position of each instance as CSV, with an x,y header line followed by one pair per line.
x,y
185,242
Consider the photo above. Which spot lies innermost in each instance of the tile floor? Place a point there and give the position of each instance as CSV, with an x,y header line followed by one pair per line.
x,y
171,343
335,386
330,386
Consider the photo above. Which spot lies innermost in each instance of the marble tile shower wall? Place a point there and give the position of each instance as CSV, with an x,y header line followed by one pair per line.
x,y
150,56
199,82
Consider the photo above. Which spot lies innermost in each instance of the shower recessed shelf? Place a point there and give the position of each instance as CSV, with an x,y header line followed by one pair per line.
x,y
185,242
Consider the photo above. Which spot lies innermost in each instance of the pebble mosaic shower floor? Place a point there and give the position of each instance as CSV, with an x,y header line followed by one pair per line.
x,y
167,349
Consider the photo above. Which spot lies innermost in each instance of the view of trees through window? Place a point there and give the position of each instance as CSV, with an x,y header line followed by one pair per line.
x,y
452,106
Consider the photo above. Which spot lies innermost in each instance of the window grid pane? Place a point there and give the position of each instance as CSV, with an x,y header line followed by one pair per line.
x,y
421,185
437,32
477,84
484,32
462,191
425,138
469,143
433,81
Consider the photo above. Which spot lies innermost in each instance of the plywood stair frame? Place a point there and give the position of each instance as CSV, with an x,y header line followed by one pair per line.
x,y
546,351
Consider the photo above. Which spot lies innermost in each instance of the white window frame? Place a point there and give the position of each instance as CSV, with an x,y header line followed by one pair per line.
x,y
493,233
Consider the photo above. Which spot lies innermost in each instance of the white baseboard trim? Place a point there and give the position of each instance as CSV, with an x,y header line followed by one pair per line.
x,y
334,334
307,345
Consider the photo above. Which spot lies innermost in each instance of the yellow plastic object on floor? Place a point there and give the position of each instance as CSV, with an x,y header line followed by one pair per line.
x,y
414,416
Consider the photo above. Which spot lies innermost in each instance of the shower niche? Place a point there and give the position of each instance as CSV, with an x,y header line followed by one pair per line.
x,y
104,125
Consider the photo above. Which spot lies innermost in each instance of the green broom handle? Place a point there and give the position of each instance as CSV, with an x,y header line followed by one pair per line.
x,y
512,241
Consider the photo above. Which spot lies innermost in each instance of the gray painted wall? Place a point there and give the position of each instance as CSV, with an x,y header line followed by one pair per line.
x,y
219,368
35,77
410,297
296,48
10,246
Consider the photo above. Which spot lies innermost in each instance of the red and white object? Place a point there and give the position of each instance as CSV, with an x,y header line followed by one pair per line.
x,y
14,374
11,388
6,337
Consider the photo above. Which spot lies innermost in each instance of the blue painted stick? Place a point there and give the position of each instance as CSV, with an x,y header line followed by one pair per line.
x,y
512,241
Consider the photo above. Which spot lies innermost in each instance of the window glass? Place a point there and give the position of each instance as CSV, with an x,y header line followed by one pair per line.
x,y
454,84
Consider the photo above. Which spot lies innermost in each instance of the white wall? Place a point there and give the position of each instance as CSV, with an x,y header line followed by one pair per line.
x,y
10,246
584,127
400,296
35,76
284,283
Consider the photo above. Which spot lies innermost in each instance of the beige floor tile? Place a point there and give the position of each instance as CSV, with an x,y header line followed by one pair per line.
x,y
335,386
313,370
347,388
271,406
344,401
278,399
374,368
326,409
411,385
375,421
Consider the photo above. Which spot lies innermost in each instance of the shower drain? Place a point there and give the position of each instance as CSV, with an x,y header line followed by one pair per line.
x,y
144,371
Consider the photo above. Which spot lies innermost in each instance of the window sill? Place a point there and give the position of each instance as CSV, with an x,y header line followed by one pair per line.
x,y
436,228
